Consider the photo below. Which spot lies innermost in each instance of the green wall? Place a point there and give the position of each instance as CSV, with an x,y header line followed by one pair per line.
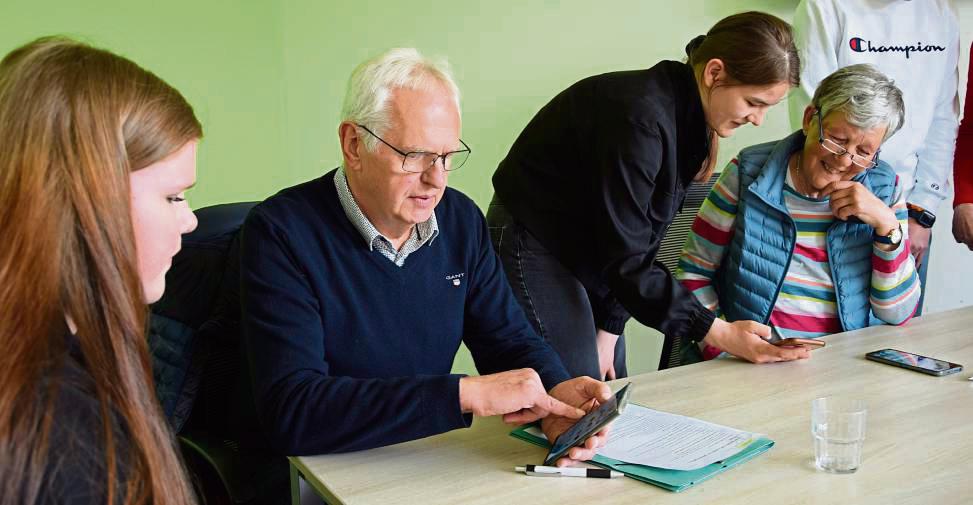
x,y
224,56
267,77
509,59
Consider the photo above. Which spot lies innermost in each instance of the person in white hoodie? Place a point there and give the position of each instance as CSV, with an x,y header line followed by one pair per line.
x,y
916,43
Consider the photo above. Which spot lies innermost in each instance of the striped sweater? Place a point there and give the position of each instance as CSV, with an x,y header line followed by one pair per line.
x,y
806,305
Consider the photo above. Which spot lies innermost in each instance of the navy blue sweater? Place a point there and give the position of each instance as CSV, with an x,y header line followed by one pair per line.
x,y
348,351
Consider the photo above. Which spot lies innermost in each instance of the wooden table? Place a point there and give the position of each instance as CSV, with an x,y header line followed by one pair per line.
x,y
918,447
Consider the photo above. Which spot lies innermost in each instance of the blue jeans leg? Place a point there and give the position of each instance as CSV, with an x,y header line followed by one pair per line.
x,y
923,268
555,302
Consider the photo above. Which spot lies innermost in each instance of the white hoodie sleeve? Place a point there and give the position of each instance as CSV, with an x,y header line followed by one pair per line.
x,y
935,157
817,34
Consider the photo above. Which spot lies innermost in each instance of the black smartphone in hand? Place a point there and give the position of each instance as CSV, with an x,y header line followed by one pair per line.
x,y
588,425
915,362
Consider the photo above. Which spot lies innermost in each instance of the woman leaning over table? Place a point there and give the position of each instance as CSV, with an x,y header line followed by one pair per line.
x,y
808,234
97,155
588,190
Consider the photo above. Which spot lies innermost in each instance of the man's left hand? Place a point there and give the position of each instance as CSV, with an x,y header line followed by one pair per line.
x,y
586,394
963,224
918,240
605,343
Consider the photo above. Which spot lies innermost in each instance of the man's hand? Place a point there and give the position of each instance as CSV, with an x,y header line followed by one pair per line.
x,y
746,339
962,224
918,240
517,395
606,353
582,392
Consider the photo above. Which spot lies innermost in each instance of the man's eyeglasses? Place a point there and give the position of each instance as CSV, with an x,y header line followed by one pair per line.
x,y
419,161
835,148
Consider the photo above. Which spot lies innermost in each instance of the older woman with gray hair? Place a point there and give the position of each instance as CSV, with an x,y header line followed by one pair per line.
x,y
808,234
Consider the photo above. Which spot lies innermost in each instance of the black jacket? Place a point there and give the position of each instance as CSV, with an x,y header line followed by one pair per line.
x,y
76,470
599,174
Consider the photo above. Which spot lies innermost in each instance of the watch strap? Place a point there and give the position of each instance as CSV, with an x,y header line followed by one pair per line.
x,y
889,239
922,216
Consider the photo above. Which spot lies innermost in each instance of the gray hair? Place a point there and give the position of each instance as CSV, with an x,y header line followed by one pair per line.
x,y
371,84
868,98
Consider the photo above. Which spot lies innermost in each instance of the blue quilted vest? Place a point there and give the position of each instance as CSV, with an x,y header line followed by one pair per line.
x,y
756,262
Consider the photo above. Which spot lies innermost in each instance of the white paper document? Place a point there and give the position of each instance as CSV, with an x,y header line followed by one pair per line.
x,y
663,440
648,437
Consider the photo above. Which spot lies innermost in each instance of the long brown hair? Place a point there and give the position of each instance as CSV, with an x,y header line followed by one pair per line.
x,y
74,122
756,49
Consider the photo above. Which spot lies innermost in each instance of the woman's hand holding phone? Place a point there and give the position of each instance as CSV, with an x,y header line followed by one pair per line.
x,y
747,340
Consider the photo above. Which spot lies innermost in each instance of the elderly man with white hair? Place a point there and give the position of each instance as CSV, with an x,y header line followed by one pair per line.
x,y
808,234
358,287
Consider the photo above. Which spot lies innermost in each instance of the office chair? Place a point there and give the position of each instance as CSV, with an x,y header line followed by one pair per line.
x,y
668,256
195,341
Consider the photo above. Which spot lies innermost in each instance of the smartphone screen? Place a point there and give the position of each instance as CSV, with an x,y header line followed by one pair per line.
x,y
916,362
588,425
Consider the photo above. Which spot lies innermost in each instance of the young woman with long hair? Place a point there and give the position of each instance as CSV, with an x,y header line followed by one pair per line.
x,y
96,156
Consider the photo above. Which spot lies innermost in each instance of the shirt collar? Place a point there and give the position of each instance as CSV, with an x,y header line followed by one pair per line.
x,y
427,230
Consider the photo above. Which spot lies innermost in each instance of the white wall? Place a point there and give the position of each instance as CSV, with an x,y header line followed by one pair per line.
x,y
950,278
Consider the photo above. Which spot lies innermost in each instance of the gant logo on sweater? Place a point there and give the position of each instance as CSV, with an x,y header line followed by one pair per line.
x,y
455,278
860,45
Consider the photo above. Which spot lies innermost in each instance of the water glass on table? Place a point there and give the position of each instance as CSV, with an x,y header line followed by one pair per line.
x,y
838,428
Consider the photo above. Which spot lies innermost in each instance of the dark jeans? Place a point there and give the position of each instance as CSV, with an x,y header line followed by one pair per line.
x,y
921,270
555,302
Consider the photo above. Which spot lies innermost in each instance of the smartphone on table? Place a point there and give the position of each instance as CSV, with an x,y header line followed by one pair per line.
x,y
588,425
916,362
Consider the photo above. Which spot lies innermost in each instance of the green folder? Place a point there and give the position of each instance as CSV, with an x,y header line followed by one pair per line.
x,y
673,480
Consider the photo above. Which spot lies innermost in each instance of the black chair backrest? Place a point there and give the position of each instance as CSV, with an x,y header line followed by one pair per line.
x,y
195,326
669,252
676,235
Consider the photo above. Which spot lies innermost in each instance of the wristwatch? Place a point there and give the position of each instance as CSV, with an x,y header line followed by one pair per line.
x,y
922,216
894,237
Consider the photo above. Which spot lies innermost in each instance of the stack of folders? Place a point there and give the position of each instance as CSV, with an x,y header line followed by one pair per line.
x,y
667,450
